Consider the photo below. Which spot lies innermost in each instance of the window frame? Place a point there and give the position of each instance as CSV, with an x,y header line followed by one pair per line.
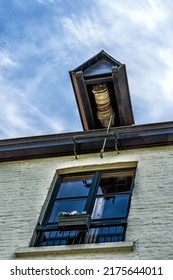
x,y
41,226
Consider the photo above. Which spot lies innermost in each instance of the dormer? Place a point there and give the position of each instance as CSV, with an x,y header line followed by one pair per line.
x,y
101,89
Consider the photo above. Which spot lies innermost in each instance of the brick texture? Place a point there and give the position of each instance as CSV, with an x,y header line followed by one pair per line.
x,y
24,187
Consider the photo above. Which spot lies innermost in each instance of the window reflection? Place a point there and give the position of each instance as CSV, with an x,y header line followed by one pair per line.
x,y
74,188
111,184
71,195
112,196
112,207
105,195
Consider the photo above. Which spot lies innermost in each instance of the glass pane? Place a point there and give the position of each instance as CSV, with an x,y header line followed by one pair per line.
x,y
66,206
74,188
110,207
105,234
52,238
114,183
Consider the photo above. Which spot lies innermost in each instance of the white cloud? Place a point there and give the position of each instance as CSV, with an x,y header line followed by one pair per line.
x,y
7,61
24,118
139,35
22,113
47,1
35,86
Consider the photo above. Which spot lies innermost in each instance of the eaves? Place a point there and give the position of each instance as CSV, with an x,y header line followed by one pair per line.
x,y
127,137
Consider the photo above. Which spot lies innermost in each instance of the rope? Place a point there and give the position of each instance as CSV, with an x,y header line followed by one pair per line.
x,y
104,143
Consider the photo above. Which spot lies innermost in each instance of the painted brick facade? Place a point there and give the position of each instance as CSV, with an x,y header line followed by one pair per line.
x,y
24,186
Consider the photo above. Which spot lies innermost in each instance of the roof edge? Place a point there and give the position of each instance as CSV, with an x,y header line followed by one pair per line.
x,y
55,145
91,61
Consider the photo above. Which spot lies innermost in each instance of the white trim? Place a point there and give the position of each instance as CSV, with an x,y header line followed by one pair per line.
x,y
100,167
64,249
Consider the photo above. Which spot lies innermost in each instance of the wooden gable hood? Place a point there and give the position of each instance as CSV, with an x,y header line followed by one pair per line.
x,y
101,89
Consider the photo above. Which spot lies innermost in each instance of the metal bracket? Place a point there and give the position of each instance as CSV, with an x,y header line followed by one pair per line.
x,y
116,143
104,143
74,149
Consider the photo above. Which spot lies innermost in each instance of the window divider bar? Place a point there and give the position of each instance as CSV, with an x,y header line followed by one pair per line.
x,y
92,193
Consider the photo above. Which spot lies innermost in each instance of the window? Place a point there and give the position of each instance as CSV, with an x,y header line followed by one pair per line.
x,y
104,195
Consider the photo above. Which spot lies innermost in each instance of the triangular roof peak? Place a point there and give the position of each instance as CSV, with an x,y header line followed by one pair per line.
x,y
101,62
101,88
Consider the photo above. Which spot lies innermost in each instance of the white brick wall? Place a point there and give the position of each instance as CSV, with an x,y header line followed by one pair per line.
x,y
24,186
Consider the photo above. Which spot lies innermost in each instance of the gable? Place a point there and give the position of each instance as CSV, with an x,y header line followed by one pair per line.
x,y
102,71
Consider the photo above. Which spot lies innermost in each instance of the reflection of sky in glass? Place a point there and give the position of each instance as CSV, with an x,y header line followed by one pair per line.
x,y
52,238
114,207
66,206
73,189
58,234
110,230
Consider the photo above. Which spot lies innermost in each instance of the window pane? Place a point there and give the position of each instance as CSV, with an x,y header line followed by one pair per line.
x,y
110,207
74,188
52,238
112,183
66,206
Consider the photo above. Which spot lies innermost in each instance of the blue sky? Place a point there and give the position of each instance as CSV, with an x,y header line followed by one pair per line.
x,y
41,40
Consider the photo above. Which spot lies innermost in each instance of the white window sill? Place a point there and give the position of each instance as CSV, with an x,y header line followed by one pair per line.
x,y
63,249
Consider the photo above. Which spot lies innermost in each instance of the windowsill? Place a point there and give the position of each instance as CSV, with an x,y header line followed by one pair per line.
x,y
67,249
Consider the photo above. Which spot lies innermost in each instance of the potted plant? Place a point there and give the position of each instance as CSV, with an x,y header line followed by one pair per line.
x,y
74,220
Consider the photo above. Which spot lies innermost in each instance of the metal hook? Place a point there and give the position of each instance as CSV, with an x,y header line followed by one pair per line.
x,y
74,142
104,143
116,143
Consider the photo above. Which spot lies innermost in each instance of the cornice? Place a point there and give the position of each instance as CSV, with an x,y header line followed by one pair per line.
x,y
127,137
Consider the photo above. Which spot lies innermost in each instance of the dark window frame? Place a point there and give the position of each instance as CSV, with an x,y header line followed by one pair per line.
x,y
91,198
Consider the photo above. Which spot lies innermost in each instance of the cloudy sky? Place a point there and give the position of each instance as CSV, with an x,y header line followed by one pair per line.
x,y
41,40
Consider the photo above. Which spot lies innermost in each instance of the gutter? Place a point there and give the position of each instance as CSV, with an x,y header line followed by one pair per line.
x,y
54,145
